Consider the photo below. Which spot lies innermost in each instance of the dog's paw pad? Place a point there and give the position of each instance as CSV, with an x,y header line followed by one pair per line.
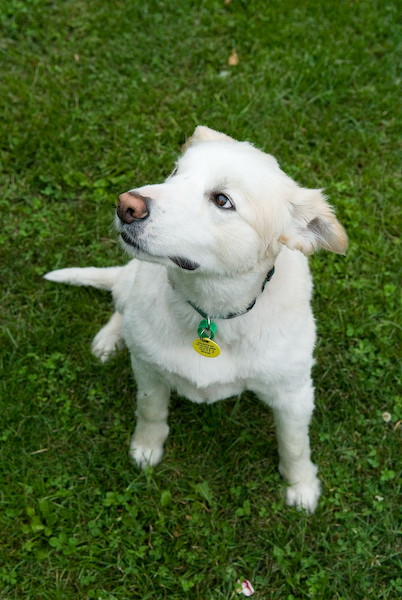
x,y
304,495
145,456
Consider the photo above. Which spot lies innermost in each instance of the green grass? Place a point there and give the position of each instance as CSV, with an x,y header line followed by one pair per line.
x,y
97,97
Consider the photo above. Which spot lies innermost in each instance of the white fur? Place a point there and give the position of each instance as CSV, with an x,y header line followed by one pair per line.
x,y
108,339
269,349
103,279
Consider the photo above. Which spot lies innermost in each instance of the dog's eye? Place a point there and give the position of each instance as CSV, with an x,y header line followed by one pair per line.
x,y
222,201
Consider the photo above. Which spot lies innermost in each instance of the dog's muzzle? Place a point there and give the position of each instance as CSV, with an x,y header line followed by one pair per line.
x,y
131,208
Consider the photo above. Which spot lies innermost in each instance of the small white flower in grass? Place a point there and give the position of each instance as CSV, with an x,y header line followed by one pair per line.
x,y
386,417
245,588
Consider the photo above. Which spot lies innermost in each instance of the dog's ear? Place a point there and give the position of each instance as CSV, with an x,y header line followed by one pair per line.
x,y
205,134
313,225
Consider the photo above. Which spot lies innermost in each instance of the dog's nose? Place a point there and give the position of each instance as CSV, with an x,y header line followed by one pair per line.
x,y
131,206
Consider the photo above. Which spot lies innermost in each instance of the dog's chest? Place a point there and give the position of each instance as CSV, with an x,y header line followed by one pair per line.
x,y
168,350
158,334
159,330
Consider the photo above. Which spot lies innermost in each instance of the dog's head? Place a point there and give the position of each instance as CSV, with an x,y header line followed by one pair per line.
x,y
226,207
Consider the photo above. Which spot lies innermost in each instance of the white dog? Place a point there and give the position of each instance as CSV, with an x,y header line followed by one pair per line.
x,y
219,300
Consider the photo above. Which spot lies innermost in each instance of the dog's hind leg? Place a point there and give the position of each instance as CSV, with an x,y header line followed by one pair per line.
x,y
103,279
292,411
108,339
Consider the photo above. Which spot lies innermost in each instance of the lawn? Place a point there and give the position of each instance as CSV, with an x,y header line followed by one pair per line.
x,y
97,97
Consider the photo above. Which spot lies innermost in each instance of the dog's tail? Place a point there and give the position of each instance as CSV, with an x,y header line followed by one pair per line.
x,y
103,279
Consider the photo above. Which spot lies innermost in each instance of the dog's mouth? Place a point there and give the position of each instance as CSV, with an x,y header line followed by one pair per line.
x,y
183,263
128,240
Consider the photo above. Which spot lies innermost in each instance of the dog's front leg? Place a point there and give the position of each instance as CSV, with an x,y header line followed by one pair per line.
x,y
146,446
292,412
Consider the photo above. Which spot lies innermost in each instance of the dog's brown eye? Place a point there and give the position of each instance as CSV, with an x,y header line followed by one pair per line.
x,y
222,201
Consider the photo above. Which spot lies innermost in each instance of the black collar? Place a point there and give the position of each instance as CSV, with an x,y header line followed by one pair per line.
x,y
233,315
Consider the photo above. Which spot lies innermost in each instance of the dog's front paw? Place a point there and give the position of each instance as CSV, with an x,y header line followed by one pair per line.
x,y
145,456
304,495
146,446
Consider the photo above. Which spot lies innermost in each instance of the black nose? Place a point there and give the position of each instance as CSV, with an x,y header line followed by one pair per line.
x,y
132,207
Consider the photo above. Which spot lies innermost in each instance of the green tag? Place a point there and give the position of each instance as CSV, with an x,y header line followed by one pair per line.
x,y
206,329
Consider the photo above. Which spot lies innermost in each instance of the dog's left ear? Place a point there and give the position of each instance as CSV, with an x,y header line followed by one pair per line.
x,y
205,134
314,225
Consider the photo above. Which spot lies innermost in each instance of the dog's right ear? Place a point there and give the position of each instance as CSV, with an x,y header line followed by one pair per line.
x,y
205,134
